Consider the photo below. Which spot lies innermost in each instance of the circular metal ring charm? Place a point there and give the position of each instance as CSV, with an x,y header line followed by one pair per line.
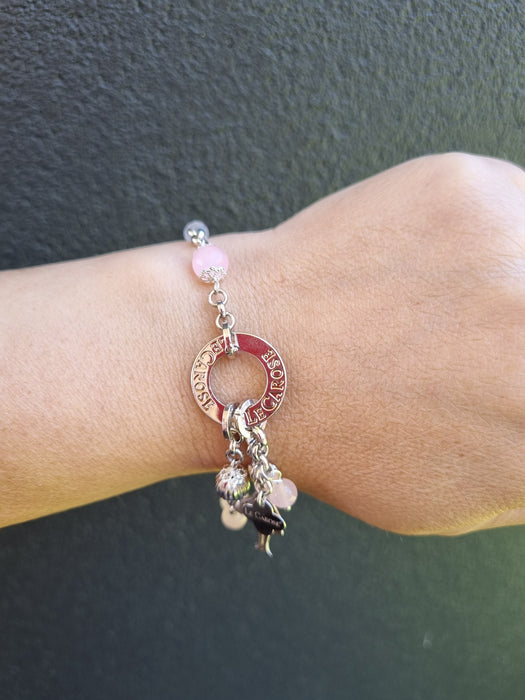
x,y
274,370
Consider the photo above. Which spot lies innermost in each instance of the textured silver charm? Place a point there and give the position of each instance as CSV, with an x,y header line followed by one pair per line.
x,y
232,482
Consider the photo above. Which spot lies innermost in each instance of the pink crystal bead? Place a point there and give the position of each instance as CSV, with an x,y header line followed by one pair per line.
x,y
284,493
210,263
230,518
233,520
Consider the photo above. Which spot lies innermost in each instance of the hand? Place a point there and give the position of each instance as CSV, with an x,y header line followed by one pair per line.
x,y
400,303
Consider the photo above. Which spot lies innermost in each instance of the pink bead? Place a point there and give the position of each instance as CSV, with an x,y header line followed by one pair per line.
x,y
207,257
284,493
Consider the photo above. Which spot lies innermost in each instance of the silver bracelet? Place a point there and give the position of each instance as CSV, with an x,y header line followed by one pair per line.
x,y
250,487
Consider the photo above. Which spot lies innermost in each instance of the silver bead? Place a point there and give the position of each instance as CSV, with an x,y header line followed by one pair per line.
x,y
232,482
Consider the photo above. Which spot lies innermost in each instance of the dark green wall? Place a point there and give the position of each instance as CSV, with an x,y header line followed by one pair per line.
x,y
122,120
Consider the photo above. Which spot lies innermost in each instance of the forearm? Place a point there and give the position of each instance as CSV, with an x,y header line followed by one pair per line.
x,y
94,365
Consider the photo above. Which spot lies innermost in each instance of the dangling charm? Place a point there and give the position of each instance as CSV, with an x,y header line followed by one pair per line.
x,y
231,518
232,482
265,517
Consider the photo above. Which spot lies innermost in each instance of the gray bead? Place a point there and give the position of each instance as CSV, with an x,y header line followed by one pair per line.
x,y
196,232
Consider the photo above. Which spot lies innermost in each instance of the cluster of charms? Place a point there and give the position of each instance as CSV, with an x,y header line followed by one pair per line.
x,y
242,425
234,481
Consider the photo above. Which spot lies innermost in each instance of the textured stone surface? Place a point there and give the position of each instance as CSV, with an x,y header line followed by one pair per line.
x,y
120,122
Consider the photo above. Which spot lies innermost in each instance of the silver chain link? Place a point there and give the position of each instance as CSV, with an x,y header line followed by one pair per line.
x,y
225,320
234,454
261,471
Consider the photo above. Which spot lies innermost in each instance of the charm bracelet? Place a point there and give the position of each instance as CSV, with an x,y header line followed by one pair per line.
x,y
254,490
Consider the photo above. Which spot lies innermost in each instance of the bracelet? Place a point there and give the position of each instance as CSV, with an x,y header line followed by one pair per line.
x,y
242,424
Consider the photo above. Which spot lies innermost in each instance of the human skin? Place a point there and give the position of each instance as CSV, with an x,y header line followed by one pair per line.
x,y
398,305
